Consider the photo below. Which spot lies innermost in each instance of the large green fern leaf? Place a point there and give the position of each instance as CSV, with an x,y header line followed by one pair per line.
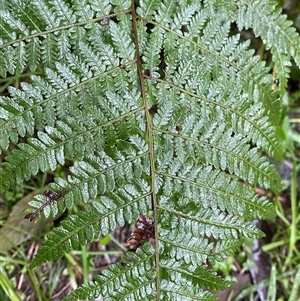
x,y
161,110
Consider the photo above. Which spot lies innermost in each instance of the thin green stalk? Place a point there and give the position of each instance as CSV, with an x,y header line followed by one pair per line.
x,y
14,261
295,288
273,245
114,253
272,285
85,264
6,285
36,286
293,226
117,243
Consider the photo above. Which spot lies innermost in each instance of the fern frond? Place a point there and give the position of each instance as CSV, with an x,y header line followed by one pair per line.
x,y
99,218
37,107
49,24
276,31
98,175
216,153
209,223
71,139
177,284
137,280
159,108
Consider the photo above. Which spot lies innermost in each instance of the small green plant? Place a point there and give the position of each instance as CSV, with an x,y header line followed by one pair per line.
x,y
160,109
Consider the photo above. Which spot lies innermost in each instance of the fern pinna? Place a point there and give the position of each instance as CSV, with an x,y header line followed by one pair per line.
x,y
163,111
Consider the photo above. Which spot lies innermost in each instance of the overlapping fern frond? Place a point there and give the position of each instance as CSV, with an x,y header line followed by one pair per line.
x,y
162,110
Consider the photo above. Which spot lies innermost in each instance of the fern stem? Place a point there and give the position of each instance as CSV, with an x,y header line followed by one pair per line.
x,y
151,146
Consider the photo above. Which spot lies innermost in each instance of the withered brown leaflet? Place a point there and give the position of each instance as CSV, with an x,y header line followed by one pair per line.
x,y
145,229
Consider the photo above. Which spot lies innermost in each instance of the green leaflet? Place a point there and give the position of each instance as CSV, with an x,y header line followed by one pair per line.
x,y
161,109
